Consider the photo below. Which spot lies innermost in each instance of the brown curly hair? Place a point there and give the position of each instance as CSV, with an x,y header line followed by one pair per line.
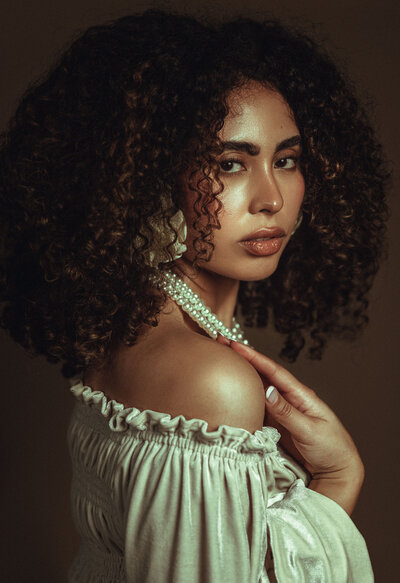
x,y
128,109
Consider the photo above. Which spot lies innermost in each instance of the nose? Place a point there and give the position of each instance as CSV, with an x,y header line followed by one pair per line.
x,y
266,195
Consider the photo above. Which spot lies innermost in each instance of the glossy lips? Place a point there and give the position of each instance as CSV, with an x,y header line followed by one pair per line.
x,y
271,243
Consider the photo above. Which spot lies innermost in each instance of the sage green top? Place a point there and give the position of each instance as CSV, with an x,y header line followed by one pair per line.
x,y
157,499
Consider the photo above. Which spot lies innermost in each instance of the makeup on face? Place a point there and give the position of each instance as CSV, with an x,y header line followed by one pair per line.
x,y
264,241
263,186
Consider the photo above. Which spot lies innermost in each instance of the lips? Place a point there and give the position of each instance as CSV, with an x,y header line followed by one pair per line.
x,y
265,233
264,242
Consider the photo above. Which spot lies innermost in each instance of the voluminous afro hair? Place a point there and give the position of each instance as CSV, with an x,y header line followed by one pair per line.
x,y
96,146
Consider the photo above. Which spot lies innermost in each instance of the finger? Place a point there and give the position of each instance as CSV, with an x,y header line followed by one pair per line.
x,y
302,397
222,340
286,441
262,363
298,424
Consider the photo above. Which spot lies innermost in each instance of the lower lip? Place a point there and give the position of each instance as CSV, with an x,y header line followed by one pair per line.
x,y
263,248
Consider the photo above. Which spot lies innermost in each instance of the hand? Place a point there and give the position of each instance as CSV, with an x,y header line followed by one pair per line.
x,y
310,430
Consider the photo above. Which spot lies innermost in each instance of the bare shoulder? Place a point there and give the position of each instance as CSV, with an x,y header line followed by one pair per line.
x,y
209,381
184,373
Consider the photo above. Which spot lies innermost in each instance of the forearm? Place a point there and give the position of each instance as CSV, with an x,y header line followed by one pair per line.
x,y
343,489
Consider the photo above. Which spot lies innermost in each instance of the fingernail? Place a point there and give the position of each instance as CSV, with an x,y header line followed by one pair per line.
x,y
271,394
224,340
237,343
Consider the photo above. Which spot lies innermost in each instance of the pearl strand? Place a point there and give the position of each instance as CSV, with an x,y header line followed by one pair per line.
x,y
194,306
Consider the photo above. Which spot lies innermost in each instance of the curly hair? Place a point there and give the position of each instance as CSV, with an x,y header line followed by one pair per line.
x,y
129,108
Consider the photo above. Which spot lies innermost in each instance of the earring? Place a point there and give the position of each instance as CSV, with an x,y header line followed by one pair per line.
x,y
162,235
297,223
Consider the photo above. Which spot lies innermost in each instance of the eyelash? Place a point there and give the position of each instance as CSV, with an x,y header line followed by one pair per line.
x,y
294,158
230,161
236,161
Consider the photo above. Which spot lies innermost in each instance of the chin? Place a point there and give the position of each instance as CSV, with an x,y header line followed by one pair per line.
x,y
253,270
259,275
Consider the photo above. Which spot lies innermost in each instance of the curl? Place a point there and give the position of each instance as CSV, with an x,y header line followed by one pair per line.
x,y
100,145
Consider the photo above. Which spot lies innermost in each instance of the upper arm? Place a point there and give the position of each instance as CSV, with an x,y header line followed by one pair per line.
x,y
193,513
219,386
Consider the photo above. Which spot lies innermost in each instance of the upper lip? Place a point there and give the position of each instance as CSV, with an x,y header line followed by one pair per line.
x,y
267,232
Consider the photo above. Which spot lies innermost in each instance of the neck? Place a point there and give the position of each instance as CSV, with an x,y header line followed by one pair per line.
x,y
219,293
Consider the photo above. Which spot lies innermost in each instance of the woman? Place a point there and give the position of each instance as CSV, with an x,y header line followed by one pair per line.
x,y
162,175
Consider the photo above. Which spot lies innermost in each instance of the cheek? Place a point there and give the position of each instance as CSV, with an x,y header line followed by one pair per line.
x,y
234,200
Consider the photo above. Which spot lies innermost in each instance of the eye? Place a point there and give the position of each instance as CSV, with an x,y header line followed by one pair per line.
x,y
287,163
231,166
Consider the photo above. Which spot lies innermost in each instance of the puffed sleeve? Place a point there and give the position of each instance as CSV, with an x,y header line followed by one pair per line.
x,y
163,500
196,512
207,507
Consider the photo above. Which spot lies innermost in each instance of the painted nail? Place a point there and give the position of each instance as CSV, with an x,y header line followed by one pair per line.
x,y
271,394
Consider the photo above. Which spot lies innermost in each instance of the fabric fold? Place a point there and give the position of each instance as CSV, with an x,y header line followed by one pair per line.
x,y
313,540
161,499
121,418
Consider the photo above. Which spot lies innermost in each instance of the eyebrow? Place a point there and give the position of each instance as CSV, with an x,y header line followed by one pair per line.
x,y
253,150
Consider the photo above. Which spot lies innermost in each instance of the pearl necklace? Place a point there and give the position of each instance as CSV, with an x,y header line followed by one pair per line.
x,y
194,306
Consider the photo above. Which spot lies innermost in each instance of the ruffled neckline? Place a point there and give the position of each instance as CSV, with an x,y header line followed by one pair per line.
x,y
121,418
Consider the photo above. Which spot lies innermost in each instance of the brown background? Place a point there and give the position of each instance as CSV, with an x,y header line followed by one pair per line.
x,y
359,381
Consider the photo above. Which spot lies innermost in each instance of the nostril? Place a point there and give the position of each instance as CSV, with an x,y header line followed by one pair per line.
x,y
273,205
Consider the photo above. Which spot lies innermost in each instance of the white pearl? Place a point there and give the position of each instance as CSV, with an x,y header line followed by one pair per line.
x,y
194,306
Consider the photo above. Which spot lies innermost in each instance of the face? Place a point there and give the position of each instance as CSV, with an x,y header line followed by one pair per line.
x,y
263,186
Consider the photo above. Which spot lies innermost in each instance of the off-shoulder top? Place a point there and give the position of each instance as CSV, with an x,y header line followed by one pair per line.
x,y
161,499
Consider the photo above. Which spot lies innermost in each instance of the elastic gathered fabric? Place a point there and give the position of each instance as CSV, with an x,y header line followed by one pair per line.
x,y
158,499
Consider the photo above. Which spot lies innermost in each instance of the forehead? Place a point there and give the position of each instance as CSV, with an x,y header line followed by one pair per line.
x,y
256,111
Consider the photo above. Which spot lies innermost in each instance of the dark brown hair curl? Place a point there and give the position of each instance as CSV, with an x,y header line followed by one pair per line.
x,y
128,109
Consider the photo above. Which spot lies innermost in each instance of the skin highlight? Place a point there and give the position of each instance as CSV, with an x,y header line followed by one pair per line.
x,y
263,187
93,150
95,147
